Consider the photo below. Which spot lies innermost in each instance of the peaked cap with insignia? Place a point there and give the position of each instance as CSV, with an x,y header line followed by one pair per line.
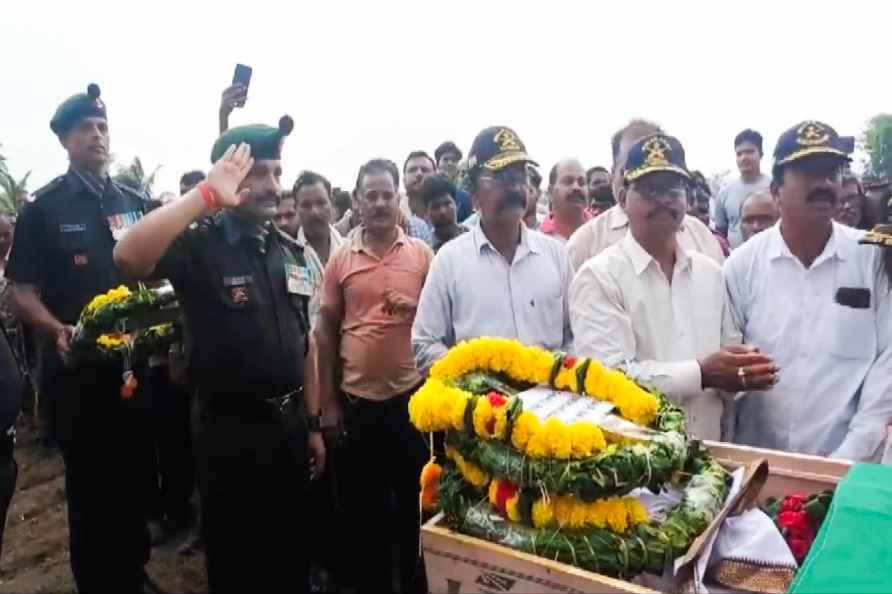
x,y
496,148
811,138
653,154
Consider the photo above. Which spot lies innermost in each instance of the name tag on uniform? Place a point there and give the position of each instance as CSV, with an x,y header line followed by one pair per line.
x,y
237,285
299,280
120,223
70,228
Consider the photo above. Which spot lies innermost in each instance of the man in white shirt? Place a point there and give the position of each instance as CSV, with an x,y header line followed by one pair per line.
x,y
729,200
807,294
657,310
312,195
610,226
500,279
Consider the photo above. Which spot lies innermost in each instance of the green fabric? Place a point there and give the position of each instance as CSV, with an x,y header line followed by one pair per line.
x,y
853,550
265,141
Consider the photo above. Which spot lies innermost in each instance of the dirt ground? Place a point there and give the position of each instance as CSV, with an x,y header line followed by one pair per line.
x,y
35,544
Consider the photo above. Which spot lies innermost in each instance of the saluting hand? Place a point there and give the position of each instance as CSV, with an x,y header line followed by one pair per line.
x,y
227,175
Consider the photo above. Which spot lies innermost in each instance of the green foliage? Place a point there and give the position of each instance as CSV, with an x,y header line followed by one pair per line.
x,y
10,187
134,176
877,143
613,472
646,547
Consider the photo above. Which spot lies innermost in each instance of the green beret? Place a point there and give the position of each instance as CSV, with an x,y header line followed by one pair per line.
x,y
265,141
82,105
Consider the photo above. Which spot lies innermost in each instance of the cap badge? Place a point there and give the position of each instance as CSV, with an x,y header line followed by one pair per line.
x,y
812,134
655,151
507,141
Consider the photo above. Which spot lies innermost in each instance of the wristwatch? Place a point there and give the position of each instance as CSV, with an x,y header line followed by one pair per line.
x,y
314,423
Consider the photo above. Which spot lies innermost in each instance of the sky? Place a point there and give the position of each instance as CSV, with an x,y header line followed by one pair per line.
x,y
384,78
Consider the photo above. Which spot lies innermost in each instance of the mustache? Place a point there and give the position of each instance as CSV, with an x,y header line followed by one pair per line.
x,y
577,195
660,209
820,194
512,199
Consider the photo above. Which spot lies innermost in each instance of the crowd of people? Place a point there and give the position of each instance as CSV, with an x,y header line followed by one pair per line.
x,y
310,315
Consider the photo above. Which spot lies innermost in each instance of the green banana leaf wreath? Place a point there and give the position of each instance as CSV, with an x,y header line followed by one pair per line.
x,y
617,471
613,472
642,548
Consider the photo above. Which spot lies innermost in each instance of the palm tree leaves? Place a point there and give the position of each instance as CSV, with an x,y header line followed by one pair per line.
x,y
10,188
134,177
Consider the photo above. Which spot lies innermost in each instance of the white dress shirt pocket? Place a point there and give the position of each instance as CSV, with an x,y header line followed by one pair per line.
x,y
854,334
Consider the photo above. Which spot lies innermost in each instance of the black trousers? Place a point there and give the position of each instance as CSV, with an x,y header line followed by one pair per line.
x,y
105,447
378,467
171,476
9,471
251,469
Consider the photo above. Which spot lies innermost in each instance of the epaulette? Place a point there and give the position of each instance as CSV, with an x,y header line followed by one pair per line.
x,y
53,185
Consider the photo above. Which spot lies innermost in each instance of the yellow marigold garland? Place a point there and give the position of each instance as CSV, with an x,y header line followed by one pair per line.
x,y
111,296
113,340
437,407
567,511
471,473
533,365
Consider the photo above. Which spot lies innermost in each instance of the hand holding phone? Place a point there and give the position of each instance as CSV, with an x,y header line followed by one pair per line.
x,y
242,78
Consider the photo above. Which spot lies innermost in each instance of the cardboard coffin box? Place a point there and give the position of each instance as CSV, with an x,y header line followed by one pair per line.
x,y
460,564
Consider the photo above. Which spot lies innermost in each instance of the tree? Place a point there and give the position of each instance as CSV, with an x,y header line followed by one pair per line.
x,y
12,193
877,143
134,176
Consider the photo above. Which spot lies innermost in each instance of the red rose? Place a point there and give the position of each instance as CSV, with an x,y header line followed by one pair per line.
x,y
787,519
799,548
569,362
496,399
793,502
505,491
801,531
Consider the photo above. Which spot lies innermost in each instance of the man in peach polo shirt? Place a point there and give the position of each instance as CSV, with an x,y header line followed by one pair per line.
x,y
370,292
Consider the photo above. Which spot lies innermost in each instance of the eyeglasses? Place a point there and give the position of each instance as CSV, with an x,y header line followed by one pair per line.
x,y
651,190
507,178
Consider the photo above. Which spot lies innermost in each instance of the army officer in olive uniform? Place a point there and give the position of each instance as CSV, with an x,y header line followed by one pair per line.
x,y
60,259
244,288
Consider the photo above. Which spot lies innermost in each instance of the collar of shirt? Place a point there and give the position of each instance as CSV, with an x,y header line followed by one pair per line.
x,y
357,241
235,229
777,247
641,259
91,182
549,225
529,244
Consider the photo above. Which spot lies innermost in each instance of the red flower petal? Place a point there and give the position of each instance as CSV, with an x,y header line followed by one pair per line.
x,y
496,399
505,491
569,362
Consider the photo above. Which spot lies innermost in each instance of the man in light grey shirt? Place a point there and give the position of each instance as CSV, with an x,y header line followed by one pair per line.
x,y
748,147
500,279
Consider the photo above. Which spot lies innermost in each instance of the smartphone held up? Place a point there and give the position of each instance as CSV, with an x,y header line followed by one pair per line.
x,y
242,78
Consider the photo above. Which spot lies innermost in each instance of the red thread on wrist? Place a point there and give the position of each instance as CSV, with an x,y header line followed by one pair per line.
x,y
207,194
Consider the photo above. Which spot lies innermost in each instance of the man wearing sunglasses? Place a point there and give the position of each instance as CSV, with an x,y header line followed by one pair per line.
x,y
658,309
501,278
807,294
